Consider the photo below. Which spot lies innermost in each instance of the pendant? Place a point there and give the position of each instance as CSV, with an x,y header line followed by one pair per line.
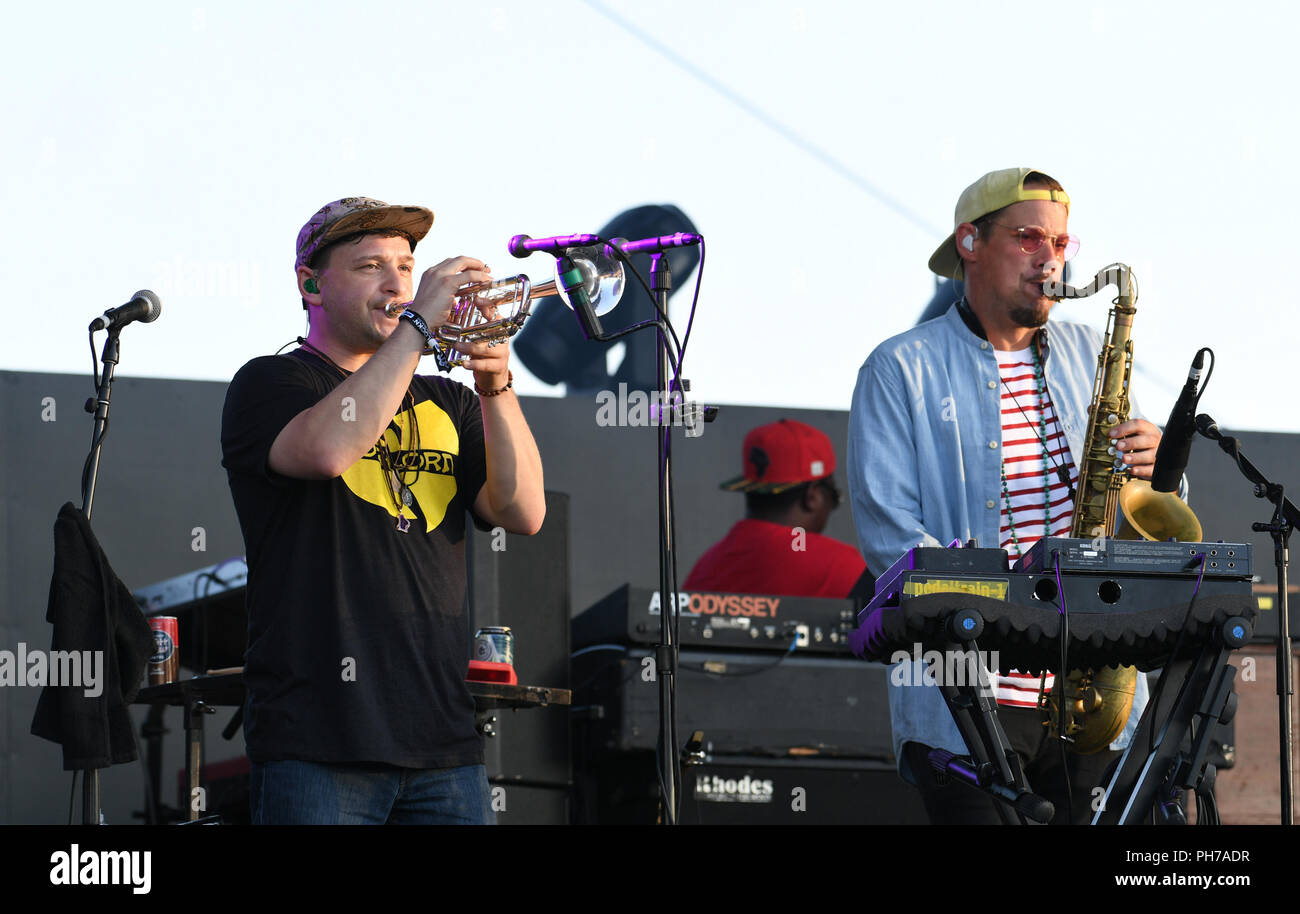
x,y
403,525
407,498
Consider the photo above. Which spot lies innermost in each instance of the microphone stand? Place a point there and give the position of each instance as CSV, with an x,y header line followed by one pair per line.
x,y
666,653
99,406
90,803
1286,517
661,282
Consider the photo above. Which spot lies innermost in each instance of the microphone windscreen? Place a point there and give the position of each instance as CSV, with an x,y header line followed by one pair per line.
x,y
154,306
516,246
1032,806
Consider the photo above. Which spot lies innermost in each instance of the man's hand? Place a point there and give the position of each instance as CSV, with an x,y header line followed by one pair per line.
x,y
1137,441
490,364
438,284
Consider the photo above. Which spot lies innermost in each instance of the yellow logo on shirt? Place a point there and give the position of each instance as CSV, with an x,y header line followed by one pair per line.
x,y
429,469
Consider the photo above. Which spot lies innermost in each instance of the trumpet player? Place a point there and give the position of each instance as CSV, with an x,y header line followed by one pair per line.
x,y
351,475
970,426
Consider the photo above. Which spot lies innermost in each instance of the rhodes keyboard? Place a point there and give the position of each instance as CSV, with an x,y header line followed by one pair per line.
x,y
630,615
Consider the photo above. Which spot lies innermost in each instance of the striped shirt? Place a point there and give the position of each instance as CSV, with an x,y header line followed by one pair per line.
x,y
1026,411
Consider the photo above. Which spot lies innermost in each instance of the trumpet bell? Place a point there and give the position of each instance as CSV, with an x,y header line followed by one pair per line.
x,y
602,276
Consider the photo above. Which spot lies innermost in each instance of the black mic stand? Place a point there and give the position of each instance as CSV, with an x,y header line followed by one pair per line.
x,y
661,282
568,278
1285,518
90,805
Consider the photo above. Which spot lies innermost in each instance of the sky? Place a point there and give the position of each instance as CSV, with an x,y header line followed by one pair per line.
x,y
818,147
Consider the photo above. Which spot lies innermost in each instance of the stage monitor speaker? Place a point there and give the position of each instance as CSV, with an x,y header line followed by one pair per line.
x,y
746,703
740,790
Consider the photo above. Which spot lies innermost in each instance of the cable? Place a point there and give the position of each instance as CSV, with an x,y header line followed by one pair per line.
x,y
94,361
690,320
751,672
1178,644
598,647
73,795
676,616
1209,374
1061,676
618,254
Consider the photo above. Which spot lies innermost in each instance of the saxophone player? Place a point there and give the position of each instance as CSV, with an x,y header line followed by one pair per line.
x,y
972,426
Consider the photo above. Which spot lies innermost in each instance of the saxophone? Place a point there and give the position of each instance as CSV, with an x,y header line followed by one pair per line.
x,y
1098,702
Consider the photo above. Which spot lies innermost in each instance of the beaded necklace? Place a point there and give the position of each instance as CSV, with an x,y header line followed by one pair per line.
x,y
1042,439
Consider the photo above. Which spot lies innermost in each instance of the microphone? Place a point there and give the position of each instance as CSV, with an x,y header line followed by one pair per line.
x,y
523,245
1208,427
571,280
1176,444
144,306
657,245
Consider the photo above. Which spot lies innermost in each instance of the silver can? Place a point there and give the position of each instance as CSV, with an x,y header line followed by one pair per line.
x,y
494,644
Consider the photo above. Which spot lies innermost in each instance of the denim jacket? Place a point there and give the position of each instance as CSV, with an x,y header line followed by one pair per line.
x,y
924,464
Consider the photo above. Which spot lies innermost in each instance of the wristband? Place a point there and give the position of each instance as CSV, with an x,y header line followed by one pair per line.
x,y
510,381
419,324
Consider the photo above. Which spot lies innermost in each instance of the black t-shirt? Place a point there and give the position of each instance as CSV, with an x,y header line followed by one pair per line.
x,y
358,639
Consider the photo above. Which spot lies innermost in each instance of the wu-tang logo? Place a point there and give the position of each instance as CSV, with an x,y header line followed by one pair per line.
x,y
428,466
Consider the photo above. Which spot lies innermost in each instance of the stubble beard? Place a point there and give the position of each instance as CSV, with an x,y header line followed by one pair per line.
x,y
1031,316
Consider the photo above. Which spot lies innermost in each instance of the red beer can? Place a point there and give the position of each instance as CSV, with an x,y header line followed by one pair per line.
x,y
165,664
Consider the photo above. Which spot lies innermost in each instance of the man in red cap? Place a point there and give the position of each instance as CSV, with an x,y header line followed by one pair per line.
x,y
789,495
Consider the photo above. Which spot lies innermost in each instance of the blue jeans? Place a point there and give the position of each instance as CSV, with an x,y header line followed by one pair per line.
x,y
311,793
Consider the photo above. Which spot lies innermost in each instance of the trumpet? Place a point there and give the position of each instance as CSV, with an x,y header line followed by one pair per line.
x,y
492,312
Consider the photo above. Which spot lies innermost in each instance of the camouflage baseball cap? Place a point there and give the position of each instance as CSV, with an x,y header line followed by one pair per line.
x,y
359,214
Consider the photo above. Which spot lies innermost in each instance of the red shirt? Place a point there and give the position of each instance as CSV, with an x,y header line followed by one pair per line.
x,y
759,556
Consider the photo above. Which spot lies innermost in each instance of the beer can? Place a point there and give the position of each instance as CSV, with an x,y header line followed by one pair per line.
x,y
494,644
165,663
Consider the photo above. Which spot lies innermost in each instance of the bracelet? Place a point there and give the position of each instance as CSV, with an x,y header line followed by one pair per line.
x,y
510,382
419,324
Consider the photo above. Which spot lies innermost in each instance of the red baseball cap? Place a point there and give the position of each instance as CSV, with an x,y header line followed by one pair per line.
x,y
782,455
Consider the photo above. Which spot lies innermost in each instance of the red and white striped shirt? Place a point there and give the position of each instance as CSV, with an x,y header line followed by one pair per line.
x,y
1026,412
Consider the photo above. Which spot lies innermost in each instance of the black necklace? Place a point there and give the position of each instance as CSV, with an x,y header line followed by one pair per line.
x,y
398,485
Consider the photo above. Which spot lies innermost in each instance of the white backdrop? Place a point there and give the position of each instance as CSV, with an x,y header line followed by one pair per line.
x,y
819,147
